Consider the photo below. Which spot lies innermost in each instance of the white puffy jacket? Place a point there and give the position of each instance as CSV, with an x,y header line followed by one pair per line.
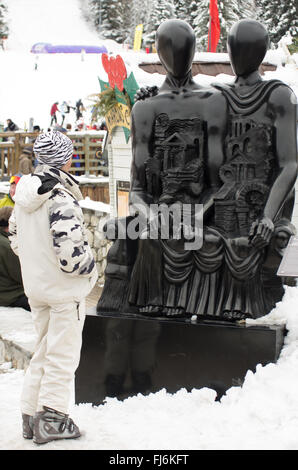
x,y
48,234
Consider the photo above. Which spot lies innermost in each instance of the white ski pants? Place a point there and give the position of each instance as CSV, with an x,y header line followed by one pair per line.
x,y
50,376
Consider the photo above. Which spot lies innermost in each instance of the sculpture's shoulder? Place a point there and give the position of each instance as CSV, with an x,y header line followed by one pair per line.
x,y
213,103
215,94
144,110
281,94
249,99
209,94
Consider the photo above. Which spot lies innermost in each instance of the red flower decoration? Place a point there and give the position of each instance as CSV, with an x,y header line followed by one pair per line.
x,y
116,70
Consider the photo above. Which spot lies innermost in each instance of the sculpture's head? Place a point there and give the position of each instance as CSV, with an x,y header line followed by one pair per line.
x,y
175,44
248,42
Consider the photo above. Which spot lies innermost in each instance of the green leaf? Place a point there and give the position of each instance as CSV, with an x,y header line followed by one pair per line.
x,y
131,87
103,85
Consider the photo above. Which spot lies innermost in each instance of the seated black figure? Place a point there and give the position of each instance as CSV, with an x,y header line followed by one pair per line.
x,y
234,151
257,197
173,161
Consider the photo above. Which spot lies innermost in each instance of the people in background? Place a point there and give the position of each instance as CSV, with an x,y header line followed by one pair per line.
x,y
64,109
103,126
54,110
79,109
60,129
11,126
11,284
8,199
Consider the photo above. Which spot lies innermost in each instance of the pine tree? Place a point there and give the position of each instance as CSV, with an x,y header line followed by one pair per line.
x,y
3,22
229,12
181,12
111,18
140,13
161,10
278,17
201,23
193,8
95,12
247,9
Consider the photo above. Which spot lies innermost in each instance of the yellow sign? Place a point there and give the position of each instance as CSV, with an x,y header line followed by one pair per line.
x,y
119,115
138,37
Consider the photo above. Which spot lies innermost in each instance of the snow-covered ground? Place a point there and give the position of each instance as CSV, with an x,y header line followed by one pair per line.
x,y
263,414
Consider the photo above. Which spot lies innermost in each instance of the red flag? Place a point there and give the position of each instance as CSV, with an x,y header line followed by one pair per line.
x,y
214,27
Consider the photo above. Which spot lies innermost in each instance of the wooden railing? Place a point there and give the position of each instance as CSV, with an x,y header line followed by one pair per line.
x,y
87,157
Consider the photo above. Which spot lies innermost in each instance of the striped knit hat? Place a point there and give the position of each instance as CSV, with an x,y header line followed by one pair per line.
x,y
53,148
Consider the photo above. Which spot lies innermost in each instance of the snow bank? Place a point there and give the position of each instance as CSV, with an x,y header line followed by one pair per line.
x,y
262,414
98,206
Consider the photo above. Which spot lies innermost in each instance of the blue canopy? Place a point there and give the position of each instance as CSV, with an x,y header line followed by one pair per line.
x,y
47,48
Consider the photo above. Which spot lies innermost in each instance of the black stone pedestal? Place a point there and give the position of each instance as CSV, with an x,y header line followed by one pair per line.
x,y
123,355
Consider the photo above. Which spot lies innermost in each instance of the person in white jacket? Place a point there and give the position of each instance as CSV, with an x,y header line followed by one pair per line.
x,y
47,232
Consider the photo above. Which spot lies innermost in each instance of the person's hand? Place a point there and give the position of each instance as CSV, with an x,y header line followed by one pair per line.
x,y
261,232
146,92
151,229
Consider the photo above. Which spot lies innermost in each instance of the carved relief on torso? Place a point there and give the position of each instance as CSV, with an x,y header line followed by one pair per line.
x,y
247,175
175,171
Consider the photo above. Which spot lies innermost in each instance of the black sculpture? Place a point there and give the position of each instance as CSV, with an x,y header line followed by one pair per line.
x,y
257,197
223,147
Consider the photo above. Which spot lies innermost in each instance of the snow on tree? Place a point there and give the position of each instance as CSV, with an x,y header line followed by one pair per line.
x,y
181,10
3,21
247,9
95,12
201,23
194,7
278,17
161,10
140,12
111,18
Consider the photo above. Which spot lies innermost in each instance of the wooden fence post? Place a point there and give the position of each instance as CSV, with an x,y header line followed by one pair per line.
x,y
87,155
15,156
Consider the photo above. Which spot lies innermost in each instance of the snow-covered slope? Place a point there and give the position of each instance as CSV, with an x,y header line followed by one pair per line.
x,y
54,21
26,92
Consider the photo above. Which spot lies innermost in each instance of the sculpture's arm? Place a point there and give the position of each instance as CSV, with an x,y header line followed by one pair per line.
x,y
282,104
217,121
146,92
142,122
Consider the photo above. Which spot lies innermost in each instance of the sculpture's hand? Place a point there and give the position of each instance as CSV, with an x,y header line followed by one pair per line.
x,y
188,231
261,232
151,230
146,92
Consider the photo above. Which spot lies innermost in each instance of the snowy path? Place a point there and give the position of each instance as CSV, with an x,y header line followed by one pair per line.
x,y
263,414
